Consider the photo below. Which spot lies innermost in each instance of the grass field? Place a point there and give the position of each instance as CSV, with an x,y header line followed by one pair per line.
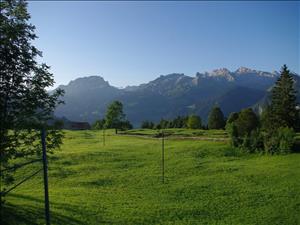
x,y
206,183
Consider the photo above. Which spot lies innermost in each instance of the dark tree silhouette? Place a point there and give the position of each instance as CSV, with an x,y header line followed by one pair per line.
x,y
283,103
25,104
216,119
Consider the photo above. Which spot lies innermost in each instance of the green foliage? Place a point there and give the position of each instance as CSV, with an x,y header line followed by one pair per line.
x,y
25,104
286,137
232,117
194,122
115,118
99,124
283,112
216,119
164,124
147,125
281,117
125,125
243,129
279,141
178,122
252,142
233,134
246,122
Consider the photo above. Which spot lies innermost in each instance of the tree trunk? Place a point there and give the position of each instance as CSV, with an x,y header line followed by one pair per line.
x,y
116,130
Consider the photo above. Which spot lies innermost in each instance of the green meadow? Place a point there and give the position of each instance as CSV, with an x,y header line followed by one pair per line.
x,y
206,182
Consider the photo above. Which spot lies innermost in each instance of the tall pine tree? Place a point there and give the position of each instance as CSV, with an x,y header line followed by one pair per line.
x,y
283,104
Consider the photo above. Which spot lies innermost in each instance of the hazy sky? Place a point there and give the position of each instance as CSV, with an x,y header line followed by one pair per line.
x,y
130,43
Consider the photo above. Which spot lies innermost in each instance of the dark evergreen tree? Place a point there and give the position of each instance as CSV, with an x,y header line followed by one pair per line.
x,y
283,103
125,125
246,122
25,104
151,125
145,124
232,117
216,119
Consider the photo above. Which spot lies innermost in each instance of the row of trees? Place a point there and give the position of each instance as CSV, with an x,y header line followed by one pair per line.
x,y
216,120
115,118
274,130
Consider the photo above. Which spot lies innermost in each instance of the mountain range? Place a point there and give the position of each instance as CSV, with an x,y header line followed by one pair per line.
x,y
170,95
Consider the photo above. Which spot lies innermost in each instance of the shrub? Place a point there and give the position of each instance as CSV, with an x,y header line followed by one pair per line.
x,y
253,142
246,122
194,122
279,141
233,134
286,137
216,119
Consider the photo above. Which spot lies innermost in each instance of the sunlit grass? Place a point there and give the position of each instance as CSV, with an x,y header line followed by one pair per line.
x,y
120,183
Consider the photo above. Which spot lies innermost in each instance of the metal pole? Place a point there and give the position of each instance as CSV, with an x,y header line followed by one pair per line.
x,y
104,137
47,210
1,214
163,157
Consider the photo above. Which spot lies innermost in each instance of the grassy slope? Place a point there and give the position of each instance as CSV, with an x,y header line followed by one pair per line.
x,y
206,183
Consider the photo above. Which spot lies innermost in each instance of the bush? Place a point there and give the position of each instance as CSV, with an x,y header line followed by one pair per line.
x,y
253,142
98,125
216,119
279,141
194,122
246,122
286,137
233,134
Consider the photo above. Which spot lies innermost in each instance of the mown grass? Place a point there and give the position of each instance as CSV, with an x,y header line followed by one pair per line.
x,y
178,132
120,183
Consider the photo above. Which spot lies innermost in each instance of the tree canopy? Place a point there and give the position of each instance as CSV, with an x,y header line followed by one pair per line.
x,y
216,119
25,104
283,111
115,117
246,122
194,122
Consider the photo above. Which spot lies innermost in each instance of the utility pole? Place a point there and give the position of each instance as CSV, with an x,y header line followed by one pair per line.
x,y
47,210
163,156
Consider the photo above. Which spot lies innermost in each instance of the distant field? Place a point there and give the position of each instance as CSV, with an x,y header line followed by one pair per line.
x,y
207,182
178,132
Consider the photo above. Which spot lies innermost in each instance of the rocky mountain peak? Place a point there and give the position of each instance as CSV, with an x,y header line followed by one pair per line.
x,y
220,72
244,70
89,82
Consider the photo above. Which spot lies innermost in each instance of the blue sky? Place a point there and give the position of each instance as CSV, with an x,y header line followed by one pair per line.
x,y
130,43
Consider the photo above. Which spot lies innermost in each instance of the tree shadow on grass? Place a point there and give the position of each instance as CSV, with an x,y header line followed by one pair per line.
x,y
35,214
16,215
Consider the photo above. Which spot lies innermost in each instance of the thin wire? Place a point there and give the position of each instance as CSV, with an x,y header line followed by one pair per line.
x,y
27,178
17,166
